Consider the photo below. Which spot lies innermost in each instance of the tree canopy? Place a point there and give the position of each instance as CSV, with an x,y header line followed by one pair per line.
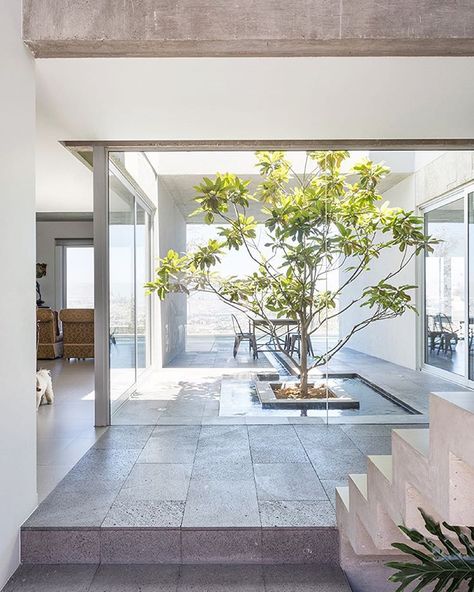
x,y
323,220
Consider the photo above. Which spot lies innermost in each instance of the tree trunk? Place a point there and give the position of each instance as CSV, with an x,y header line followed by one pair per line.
x,y
304,361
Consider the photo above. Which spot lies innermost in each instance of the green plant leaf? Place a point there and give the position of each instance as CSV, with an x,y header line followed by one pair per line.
x,y
448,568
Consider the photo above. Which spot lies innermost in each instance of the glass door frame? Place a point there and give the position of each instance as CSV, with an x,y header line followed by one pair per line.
x,y
458,193
102,165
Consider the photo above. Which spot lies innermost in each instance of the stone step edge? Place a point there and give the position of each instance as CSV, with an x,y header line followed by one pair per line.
x,y
136,545
177,528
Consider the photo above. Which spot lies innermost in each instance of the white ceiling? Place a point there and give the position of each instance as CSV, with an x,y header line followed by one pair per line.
x,y
293,98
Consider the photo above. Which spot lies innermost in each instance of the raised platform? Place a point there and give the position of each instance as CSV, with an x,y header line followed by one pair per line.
x,y
202,494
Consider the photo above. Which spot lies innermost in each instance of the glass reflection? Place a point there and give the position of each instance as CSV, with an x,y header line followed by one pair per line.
x,y
142,235
122,291
444,289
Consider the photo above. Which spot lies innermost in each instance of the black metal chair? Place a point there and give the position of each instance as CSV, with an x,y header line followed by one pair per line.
x,y
449,336
294,344
243,336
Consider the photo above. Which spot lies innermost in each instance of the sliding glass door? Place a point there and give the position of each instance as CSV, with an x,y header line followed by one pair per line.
x,y
470,267
449,288
445,288
121,290
129,232
143,302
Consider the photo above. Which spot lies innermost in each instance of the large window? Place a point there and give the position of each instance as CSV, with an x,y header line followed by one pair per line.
x,y
79,277
74,273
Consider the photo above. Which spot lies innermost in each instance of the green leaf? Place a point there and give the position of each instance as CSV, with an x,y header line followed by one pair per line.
x,y
448,568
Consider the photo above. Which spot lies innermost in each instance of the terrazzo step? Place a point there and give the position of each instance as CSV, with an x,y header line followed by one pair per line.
x,y
187,578
180,545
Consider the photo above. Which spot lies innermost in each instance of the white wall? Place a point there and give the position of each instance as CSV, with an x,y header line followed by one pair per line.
x,y
394,339
17,323
172,312
46,235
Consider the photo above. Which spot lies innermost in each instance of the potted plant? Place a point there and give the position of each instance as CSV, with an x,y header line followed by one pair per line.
x,y
316,222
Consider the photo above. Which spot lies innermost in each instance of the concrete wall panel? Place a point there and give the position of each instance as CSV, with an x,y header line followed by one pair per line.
x,y
248,28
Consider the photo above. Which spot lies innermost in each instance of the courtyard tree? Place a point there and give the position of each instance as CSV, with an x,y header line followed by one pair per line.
x,y
329,218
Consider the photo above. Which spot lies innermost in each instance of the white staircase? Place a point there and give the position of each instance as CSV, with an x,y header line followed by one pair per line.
x,y
429,468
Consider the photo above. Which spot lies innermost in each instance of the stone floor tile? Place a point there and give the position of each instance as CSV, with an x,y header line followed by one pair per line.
x,y
221,578
176,433
287,481
354,431
374,444
171,444
219,469
124,437
297,513
104,464
176,420
136,578
161,452
222,420
327,436
330,488
216,503
226,443
263,420
66,508
304,578
51,578
275,444
145,513
337,464
156,482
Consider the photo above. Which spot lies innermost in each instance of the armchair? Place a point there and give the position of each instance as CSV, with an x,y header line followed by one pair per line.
x,y
49,337
78,330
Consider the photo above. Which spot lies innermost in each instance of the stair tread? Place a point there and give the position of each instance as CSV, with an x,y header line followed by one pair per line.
x,y
343,493
360,481
383,463
419,439
461,399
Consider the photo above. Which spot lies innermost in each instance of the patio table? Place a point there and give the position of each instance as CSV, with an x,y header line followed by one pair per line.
x,y
282,328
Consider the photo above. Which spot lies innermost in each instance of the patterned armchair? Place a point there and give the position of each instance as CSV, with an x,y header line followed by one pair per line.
x,y
49,337
78,330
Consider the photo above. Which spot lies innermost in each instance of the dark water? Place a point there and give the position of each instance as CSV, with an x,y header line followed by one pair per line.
x,y
238,397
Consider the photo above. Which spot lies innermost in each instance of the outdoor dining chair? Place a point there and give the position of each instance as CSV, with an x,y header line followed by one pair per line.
x,y
449,336
240,336
293,344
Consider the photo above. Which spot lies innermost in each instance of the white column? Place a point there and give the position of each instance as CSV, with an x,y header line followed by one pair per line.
x,y
17,286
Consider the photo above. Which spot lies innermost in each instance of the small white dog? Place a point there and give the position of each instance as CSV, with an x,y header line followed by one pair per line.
x,y
44,388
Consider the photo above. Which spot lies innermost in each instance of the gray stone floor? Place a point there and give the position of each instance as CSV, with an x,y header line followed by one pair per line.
x,y
175,481
209,387
211,476
172,578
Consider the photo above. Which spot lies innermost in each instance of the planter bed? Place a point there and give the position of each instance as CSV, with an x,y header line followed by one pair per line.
x,y
266,394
